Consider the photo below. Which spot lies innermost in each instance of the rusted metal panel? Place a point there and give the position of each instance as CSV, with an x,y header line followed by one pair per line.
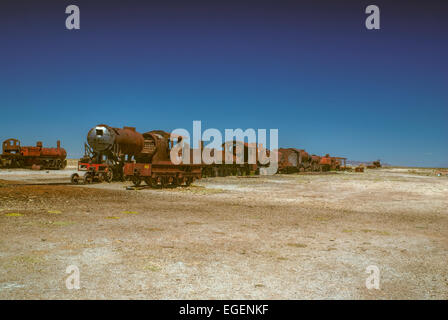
x,y
142,169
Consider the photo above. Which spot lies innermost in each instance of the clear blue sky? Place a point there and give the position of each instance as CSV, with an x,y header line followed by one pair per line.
x,y
309,68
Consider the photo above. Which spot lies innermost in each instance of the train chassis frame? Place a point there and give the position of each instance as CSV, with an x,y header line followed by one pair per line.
x,y
94,172
161,174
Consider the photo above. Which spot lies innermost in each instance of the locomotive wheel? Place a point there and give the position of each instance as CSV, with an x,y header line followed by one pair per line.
x,y
63,164
149,181
14,163
172,181
118,175
74,178
21,163
88,178
163,182
136,180
177,182
108,176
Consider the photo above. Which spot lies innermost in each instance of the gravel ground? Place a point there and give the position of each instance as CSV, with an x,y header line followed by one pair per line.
x,y
276,237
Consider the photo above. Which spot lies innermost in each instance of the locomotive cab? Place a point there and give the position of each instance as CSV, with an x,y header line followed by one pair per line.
x,y
11,146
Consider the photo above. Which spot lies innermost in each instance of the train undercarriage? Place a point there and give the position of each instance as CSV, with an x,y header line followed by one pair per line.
x,y
161,174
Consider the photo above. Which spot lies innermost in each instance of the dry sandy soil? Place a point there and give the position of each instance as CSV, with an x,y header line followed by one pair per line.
x,y
277,237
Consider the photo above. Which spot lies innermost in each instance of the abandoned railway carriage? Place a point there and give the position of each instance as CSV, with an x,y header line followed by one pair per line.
x,y
16,156
238,166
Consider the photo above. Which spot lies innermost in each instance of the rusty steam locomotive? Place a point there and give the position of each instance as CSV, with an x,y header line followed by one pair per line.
x,y
115,153
16,156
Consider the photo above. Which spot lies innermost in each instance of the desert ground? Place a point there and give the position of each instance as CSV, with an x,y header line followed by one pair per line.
x,y
298,236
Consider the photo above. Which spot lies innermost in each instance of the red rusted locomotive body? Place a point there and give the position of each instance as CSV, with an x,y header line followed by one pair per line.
x,y
127,154
315,163
106,151
154,166
292,160
16,156
328,163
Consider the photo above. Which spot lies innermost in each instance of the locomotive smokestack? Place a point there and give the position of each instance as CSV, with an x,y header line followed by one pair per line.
x,y
58,143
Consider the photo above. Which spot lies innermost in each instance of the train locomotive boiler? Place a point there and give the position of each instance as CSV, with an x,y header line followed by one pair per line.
x,y
114,143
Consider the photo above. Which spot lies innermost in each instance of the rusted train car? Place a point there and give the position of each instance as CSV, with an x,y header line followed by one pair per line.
x,y
298,160
37,157
374,165
315,163
328,163
154,166
237,159
292,160
124,153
